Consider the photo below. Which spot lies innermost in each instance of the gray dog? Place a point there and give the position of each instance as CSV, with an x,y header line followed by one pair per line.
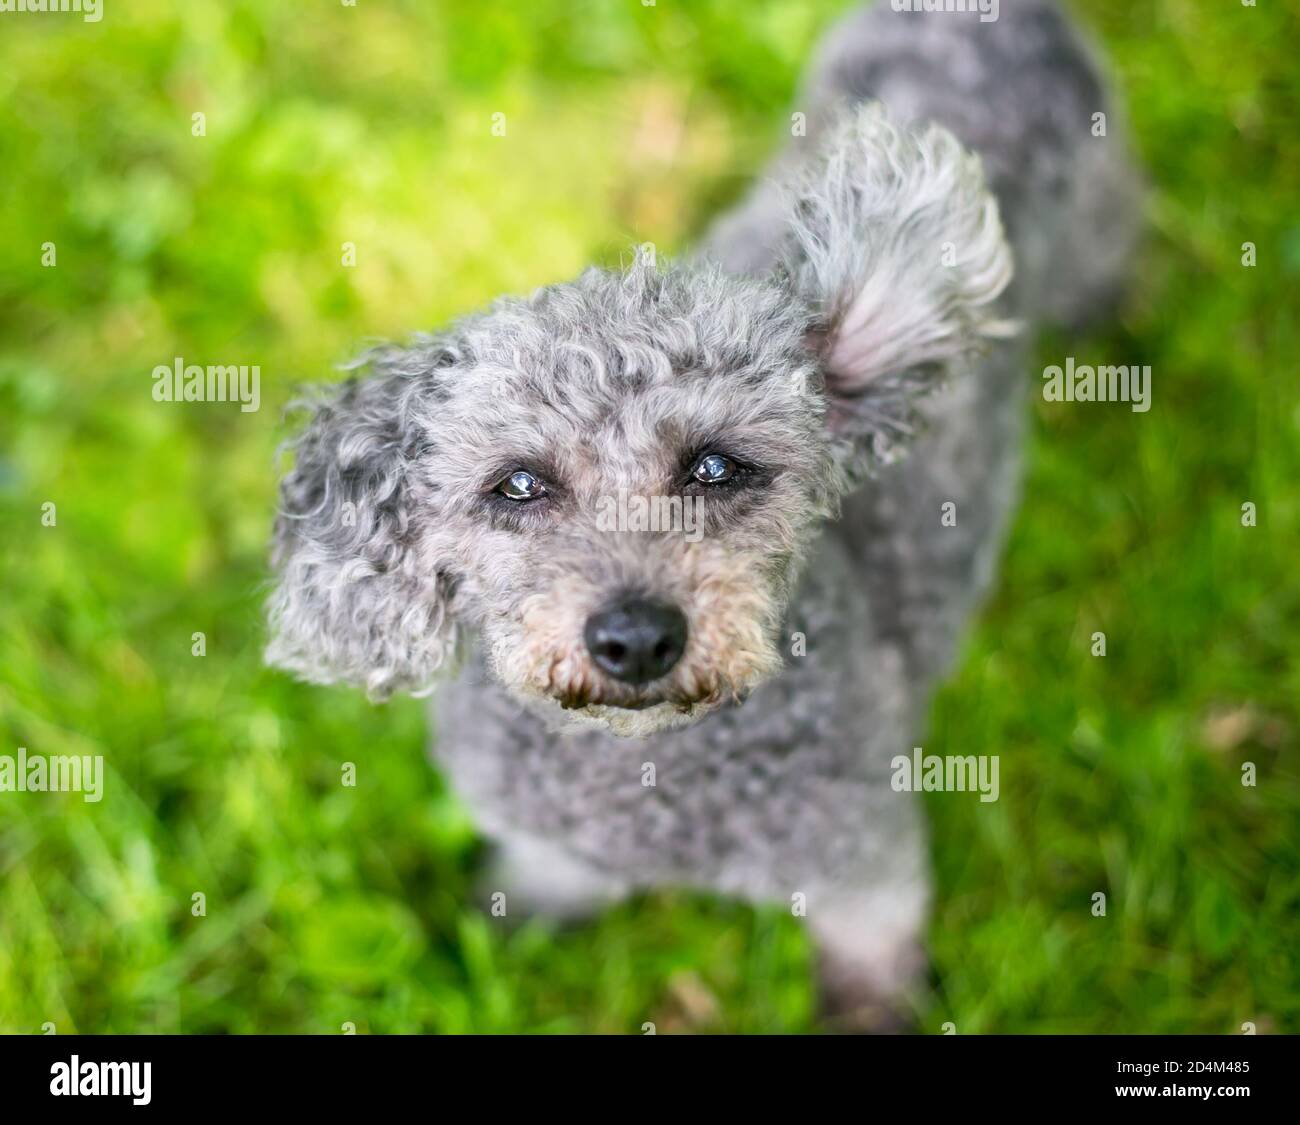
x,y
658,520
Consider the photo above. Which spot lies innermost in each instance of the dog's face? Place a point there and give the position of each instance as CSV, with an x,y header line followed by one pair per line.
x,y
611,484
619,478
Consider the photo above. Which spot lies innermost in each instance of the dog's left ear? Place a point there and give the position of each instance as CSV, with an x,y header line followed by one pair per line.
x,y
894,242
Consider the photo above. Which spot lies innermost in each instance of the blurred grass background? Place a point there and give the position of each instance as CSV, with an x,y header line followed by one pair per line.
x,y
371,124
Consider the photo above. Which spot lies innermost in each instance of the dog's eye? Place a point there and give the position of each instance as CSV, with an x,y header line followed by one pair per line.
x,y
521,485
714,469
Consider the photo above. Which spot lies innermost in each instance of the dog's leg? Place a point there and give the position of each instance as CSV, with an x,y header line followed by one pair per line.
x,y
870,958
868,923
540,878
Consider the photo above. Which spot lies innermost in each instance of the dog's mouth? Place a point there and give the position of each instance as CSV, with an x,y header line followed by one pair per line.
x,y
585,698
570,704
644,700
694,688
642,717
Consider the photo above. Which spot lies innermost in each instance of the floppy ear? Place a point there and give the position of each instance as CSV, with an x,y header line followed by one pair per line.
x,y
894,242
354,601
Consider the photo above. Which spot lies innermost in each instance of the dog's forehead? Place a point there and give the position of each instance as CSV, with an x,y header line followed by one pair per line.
x,y
636,358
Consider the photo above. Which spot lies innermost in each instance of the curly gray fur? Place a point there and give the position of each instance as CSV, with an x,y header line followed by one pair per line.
x,y
860,300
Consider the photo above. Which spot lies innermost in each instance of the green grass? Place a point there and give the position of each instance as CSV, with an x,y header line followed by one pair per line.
x,y
371,124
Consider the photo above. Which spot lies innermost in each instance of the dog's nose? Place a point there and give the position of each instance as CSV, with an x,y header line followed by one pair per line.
x,y
637,640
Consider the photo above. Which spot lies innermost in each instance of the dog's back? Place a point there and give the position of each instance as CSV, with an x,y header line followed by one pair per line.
x,y
1024,92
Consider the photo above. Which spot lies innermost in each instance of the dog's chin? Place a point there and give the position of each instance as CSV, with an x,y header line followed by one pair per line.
x,y
645,719
639,719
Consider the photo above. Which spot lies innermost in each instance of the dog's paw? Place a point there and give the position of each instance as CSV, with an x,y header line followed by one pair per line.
x,y
851,1001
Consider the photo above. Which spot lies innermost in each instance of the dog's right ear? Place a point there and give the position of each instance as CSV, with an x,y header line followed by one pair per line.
x,y
355,602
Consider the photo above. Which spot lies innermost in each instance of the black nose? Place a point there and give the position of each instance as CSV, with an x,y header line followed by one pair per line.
x,y
637,640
